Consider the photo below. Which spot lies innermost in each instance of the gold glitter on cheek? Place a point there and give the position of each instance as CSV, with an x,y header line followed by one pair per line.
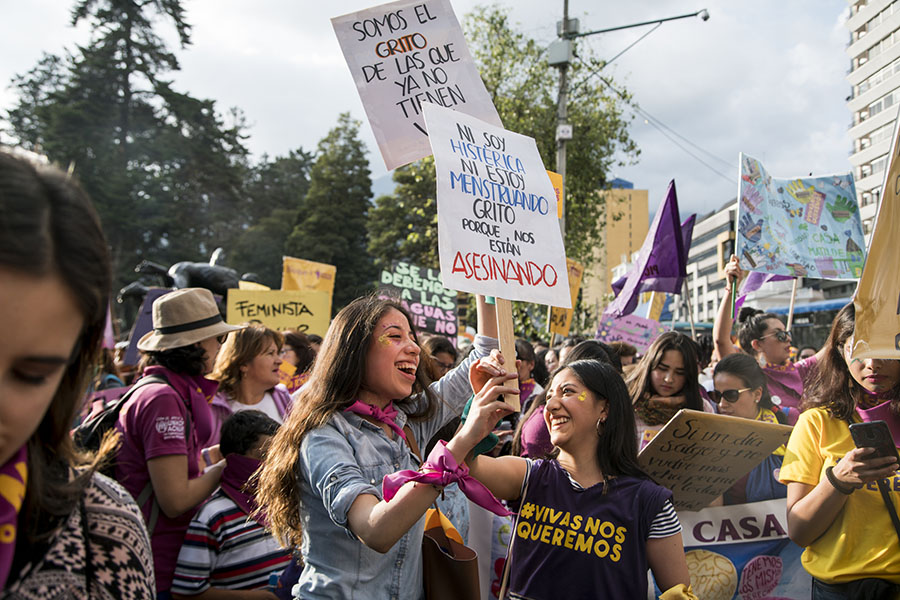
x,y
582,396
384,340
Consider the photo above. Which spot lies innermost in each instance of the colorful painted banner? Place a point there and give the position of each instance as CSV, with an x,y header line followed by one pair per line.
x,y
700,455
306,311
419,290
742,551
301,274
635,330
498,234
404,54
561,318
877,298
801,227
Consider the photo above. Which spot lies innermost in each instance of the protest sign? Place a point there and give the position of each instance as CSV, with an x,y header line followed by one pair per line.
x,y
419,290
142,324
404,54
300,274
742,551
877,297
252,285
498,234
561,318
700,455
801,227
635,330
306,311
557,180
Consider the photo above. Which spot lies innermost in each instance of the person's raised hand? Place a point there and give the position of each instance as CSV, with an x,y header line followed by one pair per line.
x,y
487,408
485,368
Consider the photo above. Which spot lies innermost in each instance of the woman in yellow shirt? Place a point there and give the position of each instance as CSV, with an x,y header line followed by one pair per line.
x,y
834,507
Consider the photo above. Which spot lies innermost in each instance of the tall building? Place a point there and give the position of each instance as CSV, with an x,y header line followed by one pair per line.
x,y
874,77
626,223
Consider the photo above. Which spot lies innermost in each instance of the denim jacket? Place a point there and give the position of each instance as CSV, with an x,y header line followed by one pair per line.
x,y
350,456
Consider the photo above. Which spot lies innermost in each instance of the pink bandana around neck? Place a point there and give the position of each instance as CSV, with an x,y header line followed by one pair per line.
x,y
387,416
13,477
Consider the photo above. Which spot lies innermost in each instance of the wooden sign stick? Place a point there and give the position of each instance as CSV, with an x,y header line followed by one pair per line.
x,y
790,319
508,346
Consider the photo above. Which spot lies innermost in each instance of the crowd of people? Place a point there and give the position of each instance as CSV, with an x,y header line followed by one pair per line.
x,y
215,479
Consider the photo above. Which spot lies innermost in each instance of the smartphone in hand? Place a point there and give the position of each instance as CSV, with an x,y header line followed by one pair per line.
x,y
874,434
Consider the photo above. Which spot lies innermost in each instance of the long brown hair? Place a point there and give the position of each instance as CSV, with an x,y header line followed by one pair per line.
x,y
48,227
336,380
833,388
241,347
639,383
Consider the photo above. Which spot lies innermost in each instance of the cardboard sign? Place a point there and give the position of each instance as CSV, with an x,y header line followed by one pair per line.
x,y
561,318
700,455
557,180
743,551
877,298
252,285
498,234
635,330
404,54
306,311
419,290
142,324
801,227
300,274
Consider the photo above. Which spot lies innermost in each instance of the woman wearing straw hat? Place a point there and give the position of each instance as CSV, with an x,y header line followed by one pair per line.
x,y
165,424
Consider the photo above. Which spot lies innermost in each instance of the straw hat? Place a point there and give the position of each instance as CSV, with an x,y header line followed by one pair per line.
x,y
182,318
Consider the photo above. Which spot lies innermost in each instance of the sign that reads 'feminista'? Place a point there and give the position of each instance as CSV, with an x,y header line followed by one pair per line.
x,y
419,290
404,54
498,233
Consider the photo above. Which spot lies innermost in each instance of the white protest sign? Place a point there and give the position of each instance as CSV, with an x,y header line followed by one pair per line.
x,y
498,233
405,53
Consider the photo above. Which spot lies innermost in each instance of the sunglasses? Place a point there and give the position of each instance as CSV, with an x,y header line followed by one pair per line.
x,y
446,366
728,395
782,335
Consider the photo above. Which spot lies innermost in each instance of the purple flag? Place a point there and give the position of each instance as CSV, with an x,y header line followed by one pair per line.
x,y
662,260
754,281
687,232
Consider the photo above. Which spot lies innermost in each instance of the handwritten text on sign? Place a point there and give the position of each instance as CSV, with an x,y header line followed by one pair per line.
x,y
700,455
401,55
419,290
635,330
306,311
497,228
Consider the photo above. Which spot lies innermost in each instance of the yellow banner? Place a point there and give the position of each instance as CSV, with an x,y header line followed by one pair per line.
x,y
300,274
557,180
307,311
657,301
877,298
561,318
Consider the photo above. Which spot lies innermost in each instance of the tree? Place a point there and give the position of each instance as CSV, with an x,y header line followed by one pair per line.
x,y
331,226
163,168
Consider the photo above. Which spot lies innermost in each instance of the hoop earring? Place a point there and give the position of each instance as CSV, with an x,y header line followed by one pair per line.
x,y
601,425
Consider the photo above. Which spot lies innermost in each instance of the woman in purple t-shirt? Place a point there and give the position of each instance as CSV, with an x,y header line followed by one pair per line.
x,y
164,425
591,522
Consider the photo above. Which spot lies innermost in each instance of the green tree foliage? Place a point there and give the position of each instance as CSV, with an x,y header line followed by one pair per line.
x,y
331,225
163,168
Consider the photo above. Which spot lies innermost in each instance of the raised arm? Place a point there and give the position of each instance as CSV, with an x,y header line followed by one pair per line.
x,y
724,319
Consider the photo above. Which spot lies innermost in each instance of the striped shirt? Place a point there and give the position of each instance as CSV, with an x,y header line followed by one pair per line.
x,y
225,549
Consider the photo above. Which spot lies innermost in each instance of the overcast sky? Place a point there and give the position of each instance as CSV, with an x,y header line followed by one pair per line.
x,y
765,77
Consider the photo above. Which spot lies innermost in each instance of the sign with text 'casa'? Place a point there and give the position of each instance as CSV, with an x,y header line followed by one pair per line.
x,y
700,455
306,311
402,55
498,233
419,290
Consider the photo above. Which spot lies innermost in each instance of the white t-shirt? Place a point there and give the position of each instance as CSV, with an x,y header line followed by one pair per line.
x,y
266,405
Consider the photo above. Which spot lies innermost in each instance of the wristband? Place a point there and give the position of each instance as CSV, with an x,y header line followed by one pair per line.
x,y
838,484
206,457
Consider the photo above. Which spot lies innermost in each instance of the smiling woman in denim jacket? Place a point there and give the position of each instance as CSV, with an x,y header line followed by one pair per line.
x,y
351,425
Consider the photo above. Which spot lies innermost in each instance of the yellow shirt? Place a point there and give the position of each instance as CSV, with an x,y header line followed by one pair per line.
x,y
862,541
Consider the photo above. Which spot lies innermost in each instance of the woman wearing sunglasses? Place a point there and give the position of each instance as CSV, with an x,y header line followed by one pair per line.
x,y
741,391
763,336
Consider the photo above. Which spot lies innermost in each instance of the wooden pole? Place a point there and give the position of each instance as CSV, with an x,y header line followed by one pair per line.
x,y
508,346
790,320
687,301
